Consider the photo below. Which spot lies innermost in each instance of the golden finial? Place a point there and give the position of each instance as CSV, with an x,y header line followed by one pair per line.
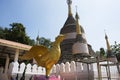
x,y
107,42
76,16
69,2
78,29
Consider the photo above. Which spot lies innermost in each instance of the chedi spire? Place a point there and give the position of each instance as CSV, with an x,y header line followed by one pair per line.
x,y
80,46
69,2
78,28
107,42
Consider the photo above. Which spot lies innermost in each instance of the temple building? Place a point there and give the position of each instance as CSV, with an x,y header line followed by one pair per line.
x,y
10,52
78,60
75,44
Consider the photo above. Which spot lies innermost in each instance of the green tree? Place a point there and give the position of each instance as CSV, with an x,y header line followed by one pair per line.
x,y
16,33
4,32
1,32
45,42
31,42
116,49
102,52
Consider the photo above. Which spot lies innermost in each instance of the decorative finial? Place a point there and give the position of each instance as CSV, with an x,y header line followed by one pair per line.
x,y
37,39
76,16
107,42
69,2
105,35
78,29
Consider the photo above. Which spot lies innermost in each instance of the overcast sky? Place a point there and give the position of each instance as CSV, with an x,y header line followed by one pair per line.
x,y
47,17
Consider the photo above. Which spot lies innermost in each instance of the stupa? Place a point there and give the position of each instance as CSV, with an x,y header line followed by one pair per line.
x,y
69,29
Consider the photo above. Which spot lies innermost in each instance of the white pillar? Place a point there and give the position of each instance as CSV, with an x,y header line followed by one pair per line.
x,y
16,55
7,63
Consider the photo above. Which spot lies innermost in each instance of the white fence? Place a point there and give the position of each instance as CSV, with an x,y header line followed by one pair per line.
x,y
67,71
16,69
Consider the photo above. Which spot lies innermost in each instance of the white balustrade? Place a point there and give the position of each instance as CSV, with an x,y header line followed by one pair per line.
x,y
67,69
28,69
73,66
62,67
34,68
53,69
22,67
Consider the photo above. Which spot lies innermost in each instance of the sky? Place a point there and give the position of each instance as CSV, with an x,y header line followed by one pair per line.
x,y
47,17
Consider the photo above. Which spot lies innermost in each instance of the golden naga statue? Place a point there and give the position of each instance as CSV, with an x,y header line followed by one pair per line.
x,y
45,57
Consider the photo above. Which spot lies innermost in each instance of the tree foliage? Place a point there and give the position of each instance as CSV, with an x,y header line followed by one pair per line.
x,y
1,32
102,52
116,49
45,42
16,33
4,32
